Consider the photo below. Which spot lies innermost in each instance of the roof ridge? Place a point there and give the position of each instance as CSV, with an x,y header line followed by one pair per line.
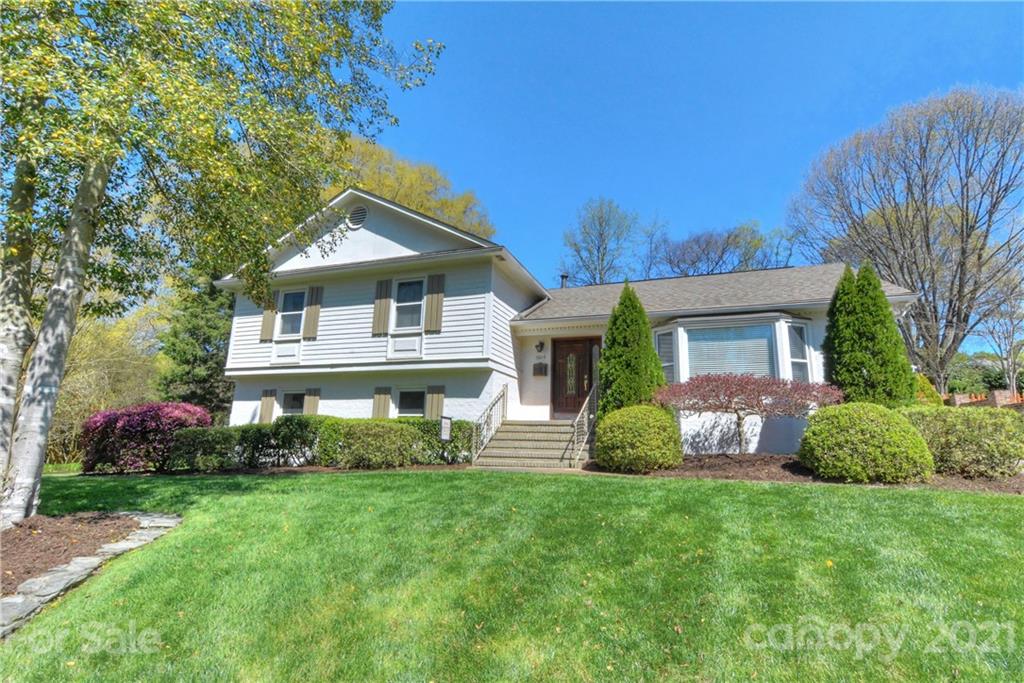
x,y
690,277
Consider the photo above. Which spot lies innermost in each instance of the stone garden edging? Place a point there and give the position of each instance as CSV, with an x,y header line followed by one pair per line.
x,y
33,594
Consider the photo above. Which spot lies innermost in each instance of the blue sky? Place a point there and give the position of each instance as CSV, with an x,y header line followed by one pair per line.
x,y
703,115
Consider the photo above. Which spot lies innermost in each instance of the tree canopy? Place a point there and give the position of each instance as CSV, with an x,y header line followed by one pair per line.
x,y
932,197
134,131
422,187
195,345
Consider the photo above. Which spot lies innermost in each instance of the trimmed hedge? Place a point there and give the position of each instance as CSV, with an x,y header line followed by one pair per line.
x,y
137,438
972,442
638,439
295,440
206,450
864,442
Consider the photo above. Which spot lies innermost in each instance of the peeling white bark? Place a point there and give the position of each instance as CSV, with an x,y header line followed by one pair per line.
x,y
15,295
46,367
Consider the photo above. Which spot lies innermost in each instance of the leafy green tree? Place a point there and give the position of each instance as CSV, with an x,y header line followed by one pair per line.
x,y
865,354
419,186
630,371
196,346
217,123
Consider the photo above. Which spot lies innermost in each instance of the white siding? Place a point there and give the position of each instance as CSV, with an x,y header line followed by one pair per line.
x,y
346,316
467,392
464,314
507,301
387,233
244,348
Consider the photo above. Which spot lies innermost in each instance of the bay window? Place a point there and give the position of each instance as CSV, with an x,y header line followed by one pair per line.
x,y
739,349
798,358
664,342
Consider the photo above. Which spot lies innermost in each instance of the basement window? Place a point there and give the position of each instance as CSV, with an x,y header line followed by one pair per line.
x,y
412,403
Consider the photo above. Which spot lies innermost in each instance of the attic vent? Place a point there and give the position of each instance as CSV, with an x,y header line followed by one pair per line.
x,y
356,217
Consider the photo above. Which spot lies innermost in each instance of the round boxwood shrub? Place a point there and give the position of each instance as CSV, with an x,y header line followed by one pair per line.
x,y
972,442
864,442
638,439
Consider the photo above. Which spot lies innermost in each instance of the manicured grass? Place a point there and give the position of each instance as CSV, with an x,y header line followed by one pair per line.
x,y
466,575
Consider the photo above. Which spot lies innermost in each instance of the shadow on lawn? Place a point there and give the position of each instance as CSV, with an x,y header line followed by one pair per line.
x,y
63,494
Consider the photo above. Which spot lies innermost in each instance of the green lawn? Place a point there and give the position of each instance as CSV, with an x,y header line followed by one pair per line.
x,y
467,575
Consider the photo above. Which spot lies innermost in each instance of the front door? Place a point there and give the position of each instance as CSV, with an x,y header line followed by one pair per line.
x,y
572,376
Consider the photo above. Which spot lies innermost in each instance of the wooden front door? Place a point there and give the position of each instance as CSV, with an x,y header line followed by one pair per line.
x,y
572,375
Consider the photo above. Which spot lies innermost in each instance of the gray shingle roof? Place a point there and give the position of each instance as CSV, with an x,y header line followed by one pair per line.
x,y
754,289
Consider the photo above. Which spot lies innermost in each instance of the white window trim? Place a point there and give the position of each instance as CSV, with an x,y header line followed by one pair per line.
x,y
675,352
808,351
278,336
397,394
776,321
279,404
395,330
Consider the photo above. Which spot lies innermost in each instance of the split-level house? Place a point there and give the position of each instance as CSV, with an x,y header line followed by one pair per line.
x,y
408,316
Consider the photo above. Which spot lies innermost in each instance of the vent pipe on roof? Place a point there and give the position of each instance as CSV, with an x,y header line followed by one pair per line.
x,y
565,279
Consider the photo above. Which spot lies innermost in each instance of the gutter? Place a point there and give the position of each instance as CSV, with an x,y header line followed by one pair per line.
x,y
363,266
522,321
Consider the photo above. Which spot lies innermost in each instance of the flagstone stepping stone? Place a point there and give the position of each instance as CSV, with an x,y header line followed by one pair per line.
x,y
31,595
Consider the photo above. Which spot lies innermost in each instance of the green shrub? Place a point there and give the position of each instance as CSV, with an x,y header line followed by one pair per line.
x,y
256,445
294,438
329,431
378,444
864,442
638,439
432,450
630,371
972,442
864,352
925,392
208,449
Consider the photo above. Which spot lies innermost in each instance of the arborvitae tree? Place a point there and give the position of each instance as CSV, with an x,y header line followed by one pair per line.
x,y
840,331
864,353
630,370
196,344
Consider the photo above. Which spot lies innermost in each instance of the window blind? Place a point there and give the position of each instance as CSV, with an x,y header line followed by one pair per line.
x,y
667,354
746,349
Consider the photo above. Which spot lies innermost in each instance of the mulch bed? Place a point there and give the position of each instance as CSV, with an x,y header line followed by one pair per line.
x,y
35,545
787,468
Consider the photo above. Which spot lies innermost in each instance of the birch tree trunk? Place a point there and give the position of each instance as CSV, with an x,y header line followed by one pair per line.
x,y
15,296
46,368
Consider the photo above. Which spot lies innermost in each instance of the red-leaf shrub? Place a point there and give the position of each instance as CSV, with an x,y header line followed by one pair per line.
x,y
747,395
137,438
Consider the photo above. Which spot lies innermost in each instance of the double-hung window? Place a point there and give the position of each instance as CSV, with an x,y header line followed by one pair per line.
x,y
798,358
409,306
665,344
739,349
289,317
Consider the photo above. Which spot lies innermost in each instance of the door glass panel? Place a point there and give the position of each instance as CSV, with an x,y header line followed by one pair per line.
x,y
570,375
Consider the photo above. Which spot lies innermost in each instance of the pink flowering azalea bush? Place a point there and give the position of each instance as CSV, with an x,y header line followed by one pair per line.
x,y
137,438
745,396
